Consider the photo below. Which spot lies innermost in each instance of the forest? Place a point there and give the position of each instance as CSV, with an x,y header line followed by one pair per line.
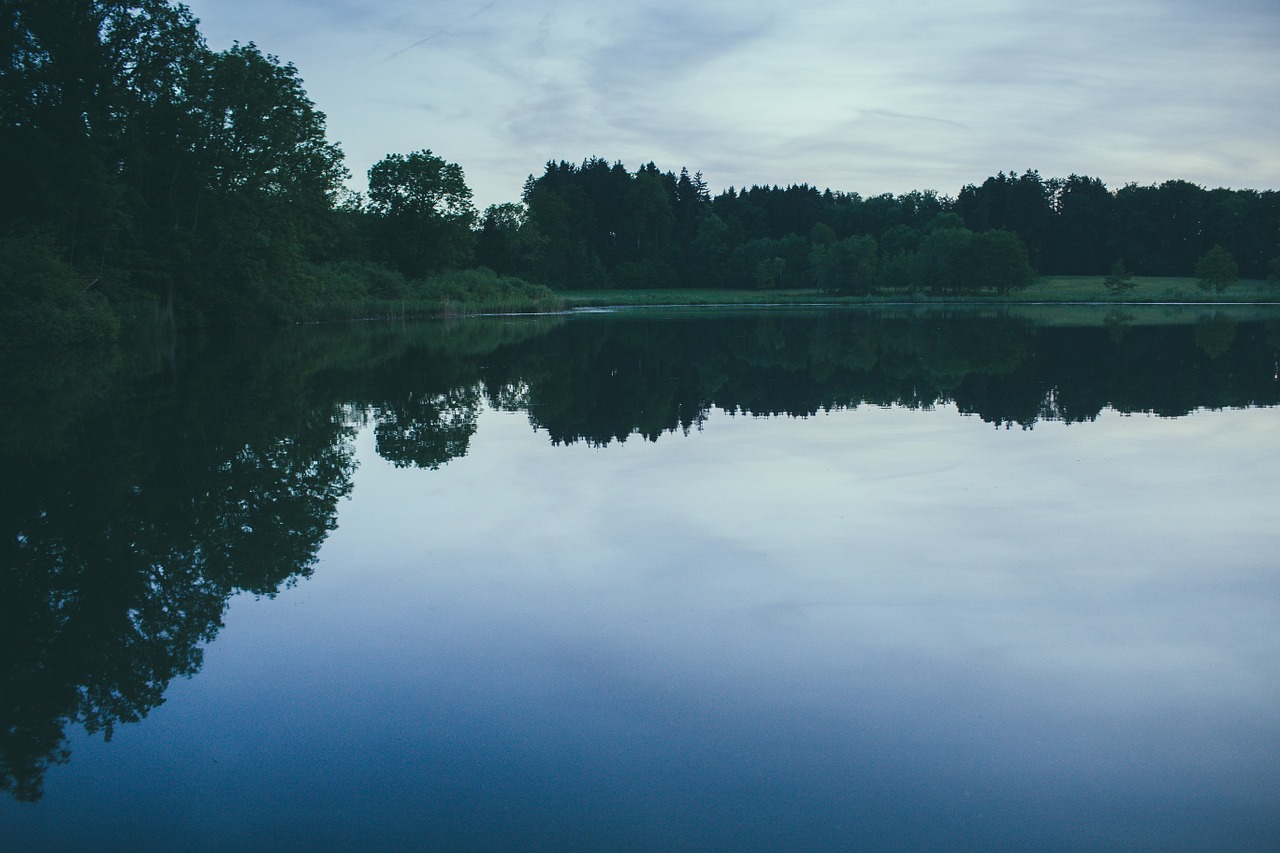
x,y
154,179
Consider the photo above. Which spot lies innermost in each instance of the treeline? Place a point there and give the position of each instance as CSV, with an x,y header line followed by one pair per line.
x,y
599,226
596,225
149,175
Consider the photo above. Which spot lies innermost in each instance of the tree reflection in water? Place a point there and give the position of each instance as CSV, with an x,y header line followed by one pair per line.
x,y
146,490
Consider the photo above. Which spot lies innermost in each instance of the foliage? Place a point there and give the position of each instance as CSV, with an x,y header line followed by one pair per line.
x,y
43,301
1217,269
423,210
269,183
846,266
998,261
1119,280
954,260
201,179
1076,226
483,289
599,225
346,282
362,289
507,240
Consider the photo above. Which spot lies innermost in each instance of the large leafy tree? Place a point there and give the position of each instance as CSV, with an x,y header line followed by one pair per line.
x,y
424,212
59,97
1216,269
157,166
270,179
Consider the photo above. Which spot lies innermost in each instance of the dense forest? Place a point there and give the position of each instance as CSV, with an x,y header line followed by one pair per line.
x,y
152,177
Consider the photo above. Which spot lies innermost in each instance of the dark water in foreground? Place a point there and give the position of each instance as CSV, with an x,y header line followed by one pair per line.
x,y
746,581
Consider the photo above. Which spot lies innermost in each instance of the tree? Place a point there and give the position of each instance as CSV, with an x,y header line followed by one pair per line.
x,y
506,243
1217,269
1119,280
942,265
158,165
1082,224
998,260
848,266
1022,205
59,96
268,181
425,208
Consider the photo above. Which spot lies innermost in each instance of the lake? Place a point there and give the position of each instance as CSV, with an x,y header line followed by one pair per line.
x,y
709,580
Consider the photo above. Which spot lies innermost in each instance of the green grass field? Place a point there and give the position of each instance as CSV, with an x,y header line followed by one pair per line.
x,y
1050,296
1049,289
1089,288
692,296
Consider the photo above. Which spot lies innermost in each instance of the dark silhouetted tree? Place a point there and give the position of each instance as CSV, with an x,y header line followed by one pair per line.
x,y
423,206
1216,269
1119,279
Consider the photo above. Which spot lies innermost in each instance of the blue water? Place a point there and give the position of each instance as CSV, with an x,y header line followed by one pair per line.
x,y
878,627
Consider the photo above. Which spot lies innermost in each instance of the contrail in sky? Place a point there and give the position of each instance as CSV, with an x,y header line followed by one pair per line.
x,y
442,31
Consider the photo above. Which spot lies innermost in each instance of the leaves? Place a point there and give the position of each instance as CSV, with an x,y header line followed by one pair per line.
x,y
424,212
1217,269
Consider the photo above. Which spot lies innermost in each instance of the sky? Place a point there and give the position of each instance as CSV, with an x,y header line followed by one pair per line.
x,y
867,97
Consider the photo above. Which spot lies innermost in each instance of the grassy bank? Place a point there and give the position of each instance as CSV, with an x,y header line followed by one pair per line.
x,y
362,291
692,296
1049,289
1089,288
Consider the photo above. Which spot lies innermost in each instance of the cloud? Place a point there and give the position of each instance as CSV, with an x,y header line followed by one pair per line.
x,y
859,97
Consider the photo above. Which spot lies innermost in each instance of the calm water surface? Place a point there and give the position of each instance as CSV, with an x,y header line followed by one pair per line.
x,y
753,581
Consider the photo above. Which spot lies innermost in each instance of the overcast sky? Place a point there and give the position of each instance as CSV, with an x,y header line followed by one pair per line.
x,y
865,97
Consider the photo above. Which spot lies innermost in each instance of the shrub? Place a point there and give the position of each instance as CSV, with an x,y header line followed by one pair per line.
x,y
43,300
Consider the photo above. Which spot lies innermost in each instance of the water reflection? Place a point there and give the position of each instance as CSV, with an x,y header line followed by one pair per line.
x,y
147,489
604,379
128,524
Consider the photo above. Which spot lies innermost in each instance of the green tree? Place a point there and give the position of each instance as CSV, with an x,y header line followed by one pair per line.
x,y
942,265
269,181
768,273
998,260
1119,280
424,206
847,266
57,93
203,179
1217,269
507,243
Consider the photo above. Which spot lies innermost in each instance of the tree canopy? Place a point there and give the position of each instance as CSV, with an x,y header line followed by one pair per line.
x,y
422,206
161,168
